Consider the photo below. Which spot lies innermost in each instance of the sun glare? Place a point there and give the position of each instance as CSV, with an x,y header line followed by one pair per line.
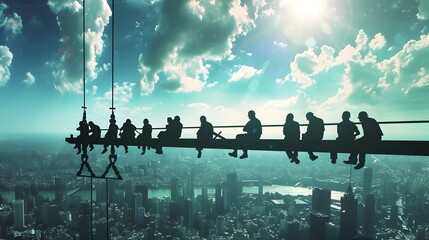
x,y
309,8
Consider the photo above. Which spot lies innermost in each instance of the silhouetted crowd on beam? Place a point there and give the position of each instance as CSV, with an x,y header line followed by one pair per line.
x,y
346,129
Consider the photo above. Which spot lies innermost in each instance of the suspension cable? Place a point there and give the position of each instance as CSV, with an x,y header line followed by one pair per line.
x,y
113,54
83,58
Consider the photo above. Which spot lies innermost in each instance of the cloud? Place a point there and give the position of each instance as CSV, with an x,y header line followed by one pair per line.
x,y
29,79
378,42
364,77
68,68
423,7
244,72
280,44
199,106
10,23
122,93
282,104
5,62
189,34
212,84
308,64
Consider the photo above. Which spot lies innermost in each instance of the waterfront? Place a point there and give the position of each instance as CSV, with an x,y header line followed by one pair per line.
x,y
166,192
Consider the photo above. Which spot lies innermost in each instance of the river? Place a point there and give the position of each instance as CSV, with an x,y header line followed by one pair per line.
x,y
165,192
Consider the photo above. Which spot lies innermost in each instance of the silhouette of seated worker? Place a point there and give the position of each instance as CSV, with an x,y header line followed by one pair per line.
x,y
127,133
83,137
372,135
177,127
254,131
145,138
204,135
95,134
173,131
292,135
347,132
111,135
314,134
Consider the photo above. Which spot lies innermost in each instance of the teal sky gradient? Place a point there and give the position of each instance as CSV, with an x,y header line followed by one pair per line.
x,y
216,58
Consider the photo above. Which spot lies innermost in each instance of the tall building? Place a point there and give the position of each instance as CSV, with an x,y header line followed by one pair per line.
x,y
190,184
420,233
321,201
187,211
18,214
59,190
218,199
204,199
19,192
369,216
292,230
143,189
348,215
138,203
84,221
233,187
100,192
388,192
367,182
140,216
317,225
394,220
174,210
174,185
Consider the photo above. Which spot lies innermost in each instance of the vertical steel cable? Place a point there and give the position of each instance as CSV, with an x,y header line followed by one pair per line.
x,y
113,53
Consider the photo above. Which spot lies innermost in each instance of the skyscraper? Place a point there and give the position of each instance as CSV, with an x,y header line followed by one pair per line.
x,y
143,189
18,214
367,182
190,184
59,189
394,220
348,215
138,203
218,199
174,185
317,225
369,216
84,221
140,216
321,201
204,199
232,186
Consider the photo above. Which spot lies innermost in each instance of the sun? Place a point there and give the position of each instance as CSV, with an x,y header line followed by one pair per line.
x,y
302,20
309,9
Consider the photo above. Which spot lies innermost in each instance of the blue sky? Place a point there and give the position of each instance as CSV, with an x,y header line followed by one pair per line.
x,y
214,58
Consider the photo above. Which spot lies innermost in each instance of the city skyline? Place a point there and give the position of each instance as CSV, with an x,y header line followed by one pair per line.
x,y
213,58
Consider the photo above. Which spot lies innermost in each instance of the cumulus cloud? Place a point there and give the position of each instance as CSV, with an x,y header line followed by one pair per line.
x,y
68,69
5,62
29,79
11,23
189,34
282,104
308,64
122,93
363,77
244,72
199,106
423,6
378,42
